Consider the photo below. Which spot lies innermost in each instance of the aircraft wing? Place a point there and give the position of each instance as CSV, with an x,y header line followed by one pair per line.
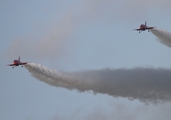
x,y
10,65
137,29
148,28
23,63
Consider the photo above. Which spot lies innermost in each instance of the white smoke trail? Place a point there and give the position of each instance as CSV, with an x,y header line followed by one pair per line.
x,y
163,36
146,84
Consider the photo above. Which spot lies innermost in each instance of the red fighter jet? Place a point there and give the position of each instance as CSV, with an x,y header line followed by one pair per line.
x,y
144,27
17,63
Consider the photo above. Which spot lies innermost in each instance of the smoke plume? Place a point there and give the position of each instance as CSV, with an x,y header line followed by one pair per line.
x,y
145,84
163,36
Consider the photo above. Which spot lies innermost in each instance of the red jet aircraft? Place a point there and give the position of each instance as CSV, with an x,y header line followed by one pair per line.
x,y
17,63
144,27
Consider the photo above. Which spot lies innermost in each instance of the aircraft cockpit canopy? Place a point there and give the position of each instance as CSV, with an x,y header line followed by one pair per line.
x,y
15,60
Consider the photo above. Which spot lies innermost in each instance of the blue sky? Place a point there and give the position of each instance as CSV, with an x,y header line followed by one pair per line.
x,y
72,36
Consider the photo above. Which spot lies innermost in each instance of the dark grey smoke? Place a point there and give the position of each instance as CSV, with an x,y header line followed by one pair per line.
x,y
145,84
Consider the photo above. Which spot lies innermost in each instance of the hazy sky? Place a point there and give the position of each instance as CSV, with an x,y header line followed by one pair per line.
x,y
74,36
